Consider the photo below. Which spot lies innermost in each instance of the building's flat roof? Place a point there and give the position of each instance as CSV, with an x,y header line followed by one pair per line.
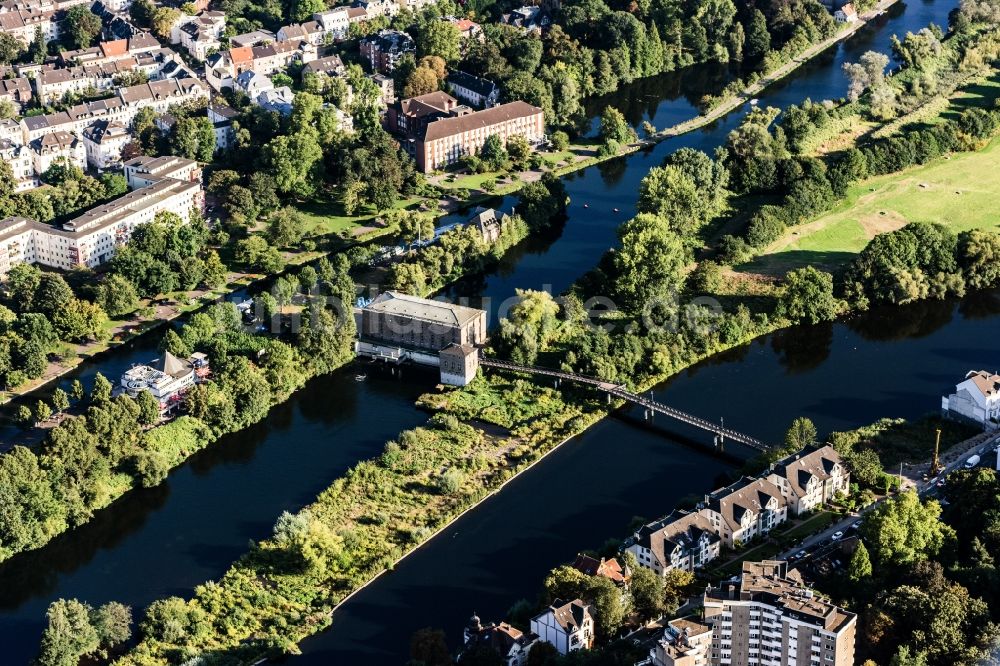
x,y
424,309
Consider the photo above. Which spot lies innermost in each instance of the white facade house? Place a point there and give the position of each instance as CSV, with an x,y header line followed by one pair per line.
x,y
567,626
335,22
745,510
57,148
167,381
19,158
104,142
199,34
976,399
810,478
683,540
846,14
222,117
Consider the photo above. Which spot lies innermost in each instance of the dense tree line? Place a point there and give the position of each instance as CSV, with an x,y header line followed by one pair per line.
x,y
88,460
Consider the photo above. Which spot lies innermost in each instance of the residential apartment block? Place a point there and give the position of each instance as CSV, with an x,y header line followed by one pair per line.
x,y
383,50
810,478
742,511
199,34
103,142
769,618
90,239
684,643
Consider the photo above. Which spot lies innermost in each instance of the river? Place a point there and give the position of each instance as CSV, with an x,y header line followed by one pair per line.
x,y
165,540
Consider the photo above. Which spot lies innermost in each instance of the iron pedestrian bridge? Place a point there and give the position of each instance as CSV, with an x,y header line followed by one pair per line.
x,y
619,391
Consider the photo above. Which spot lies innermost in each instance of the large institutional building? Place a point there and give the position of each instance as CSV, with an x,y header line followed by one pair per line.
x,y
163,184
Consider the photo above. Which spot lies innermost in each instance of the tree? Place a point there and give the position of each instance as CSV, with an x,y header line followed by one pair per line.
x,y
421,81
559,140
428,646
82,25
286,227
903,529
149,408
481,655
436,37
302,10
409,279
69,634
979,257
906,657
801,434
648,596
860,567
173,343
80,319
113,622
415,227
650,262
162,20
494,153
614,127
100,392
193,138
758,37
10,48
52,295
293,160
674,195
60,400
529,327
24,415
42,411
117,295
76,390
214,275
808,296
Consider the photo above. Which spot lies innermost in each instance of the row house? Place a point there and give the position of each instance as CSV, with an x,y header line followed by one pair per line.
x,y
445,141
200,34
768,617
383,50
17,91
60,148
221,69
810,478
110,51
254,38
104,142
331,66
24,24
158,95
311,32
19,159
683,540
53,85
91,239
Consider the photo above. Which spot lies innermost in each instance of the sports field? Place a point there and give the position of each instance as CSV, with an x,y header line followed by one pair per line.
x,y
961,191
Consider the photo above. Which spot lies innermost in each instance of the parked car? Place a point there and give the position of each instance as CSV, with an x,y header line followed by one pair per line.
x,y
837,536
972,462
856,525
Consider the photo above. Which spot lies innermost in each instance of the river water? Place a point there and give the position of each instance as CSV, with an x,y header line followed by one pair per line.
x,y
165,540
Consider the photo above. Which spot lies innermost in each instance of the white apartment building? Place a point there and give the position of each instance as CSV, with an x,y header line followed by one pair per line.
x,y
90,239
21,164
744,510
567,626
22,24
57,148
103,142
222,117
199,34
310,31
683,540
769,618
335,22
976,399
810,478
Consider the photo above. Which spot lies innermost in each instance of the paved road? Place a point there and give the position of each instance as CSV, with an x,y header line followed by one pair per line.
x,y
985,450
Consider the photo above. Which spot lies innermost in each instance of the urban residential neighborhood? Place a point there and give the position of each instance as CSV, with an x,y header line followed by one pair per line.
x,y
499,332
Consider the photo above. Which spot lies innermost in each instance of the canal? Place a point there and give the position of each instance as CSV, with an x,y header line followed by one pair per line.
x,y
165,540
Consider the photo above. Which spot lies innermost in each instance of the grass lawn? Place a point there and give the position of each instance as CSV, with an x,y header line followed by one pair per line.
x,y
815,523
764,551
325,217
958,191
